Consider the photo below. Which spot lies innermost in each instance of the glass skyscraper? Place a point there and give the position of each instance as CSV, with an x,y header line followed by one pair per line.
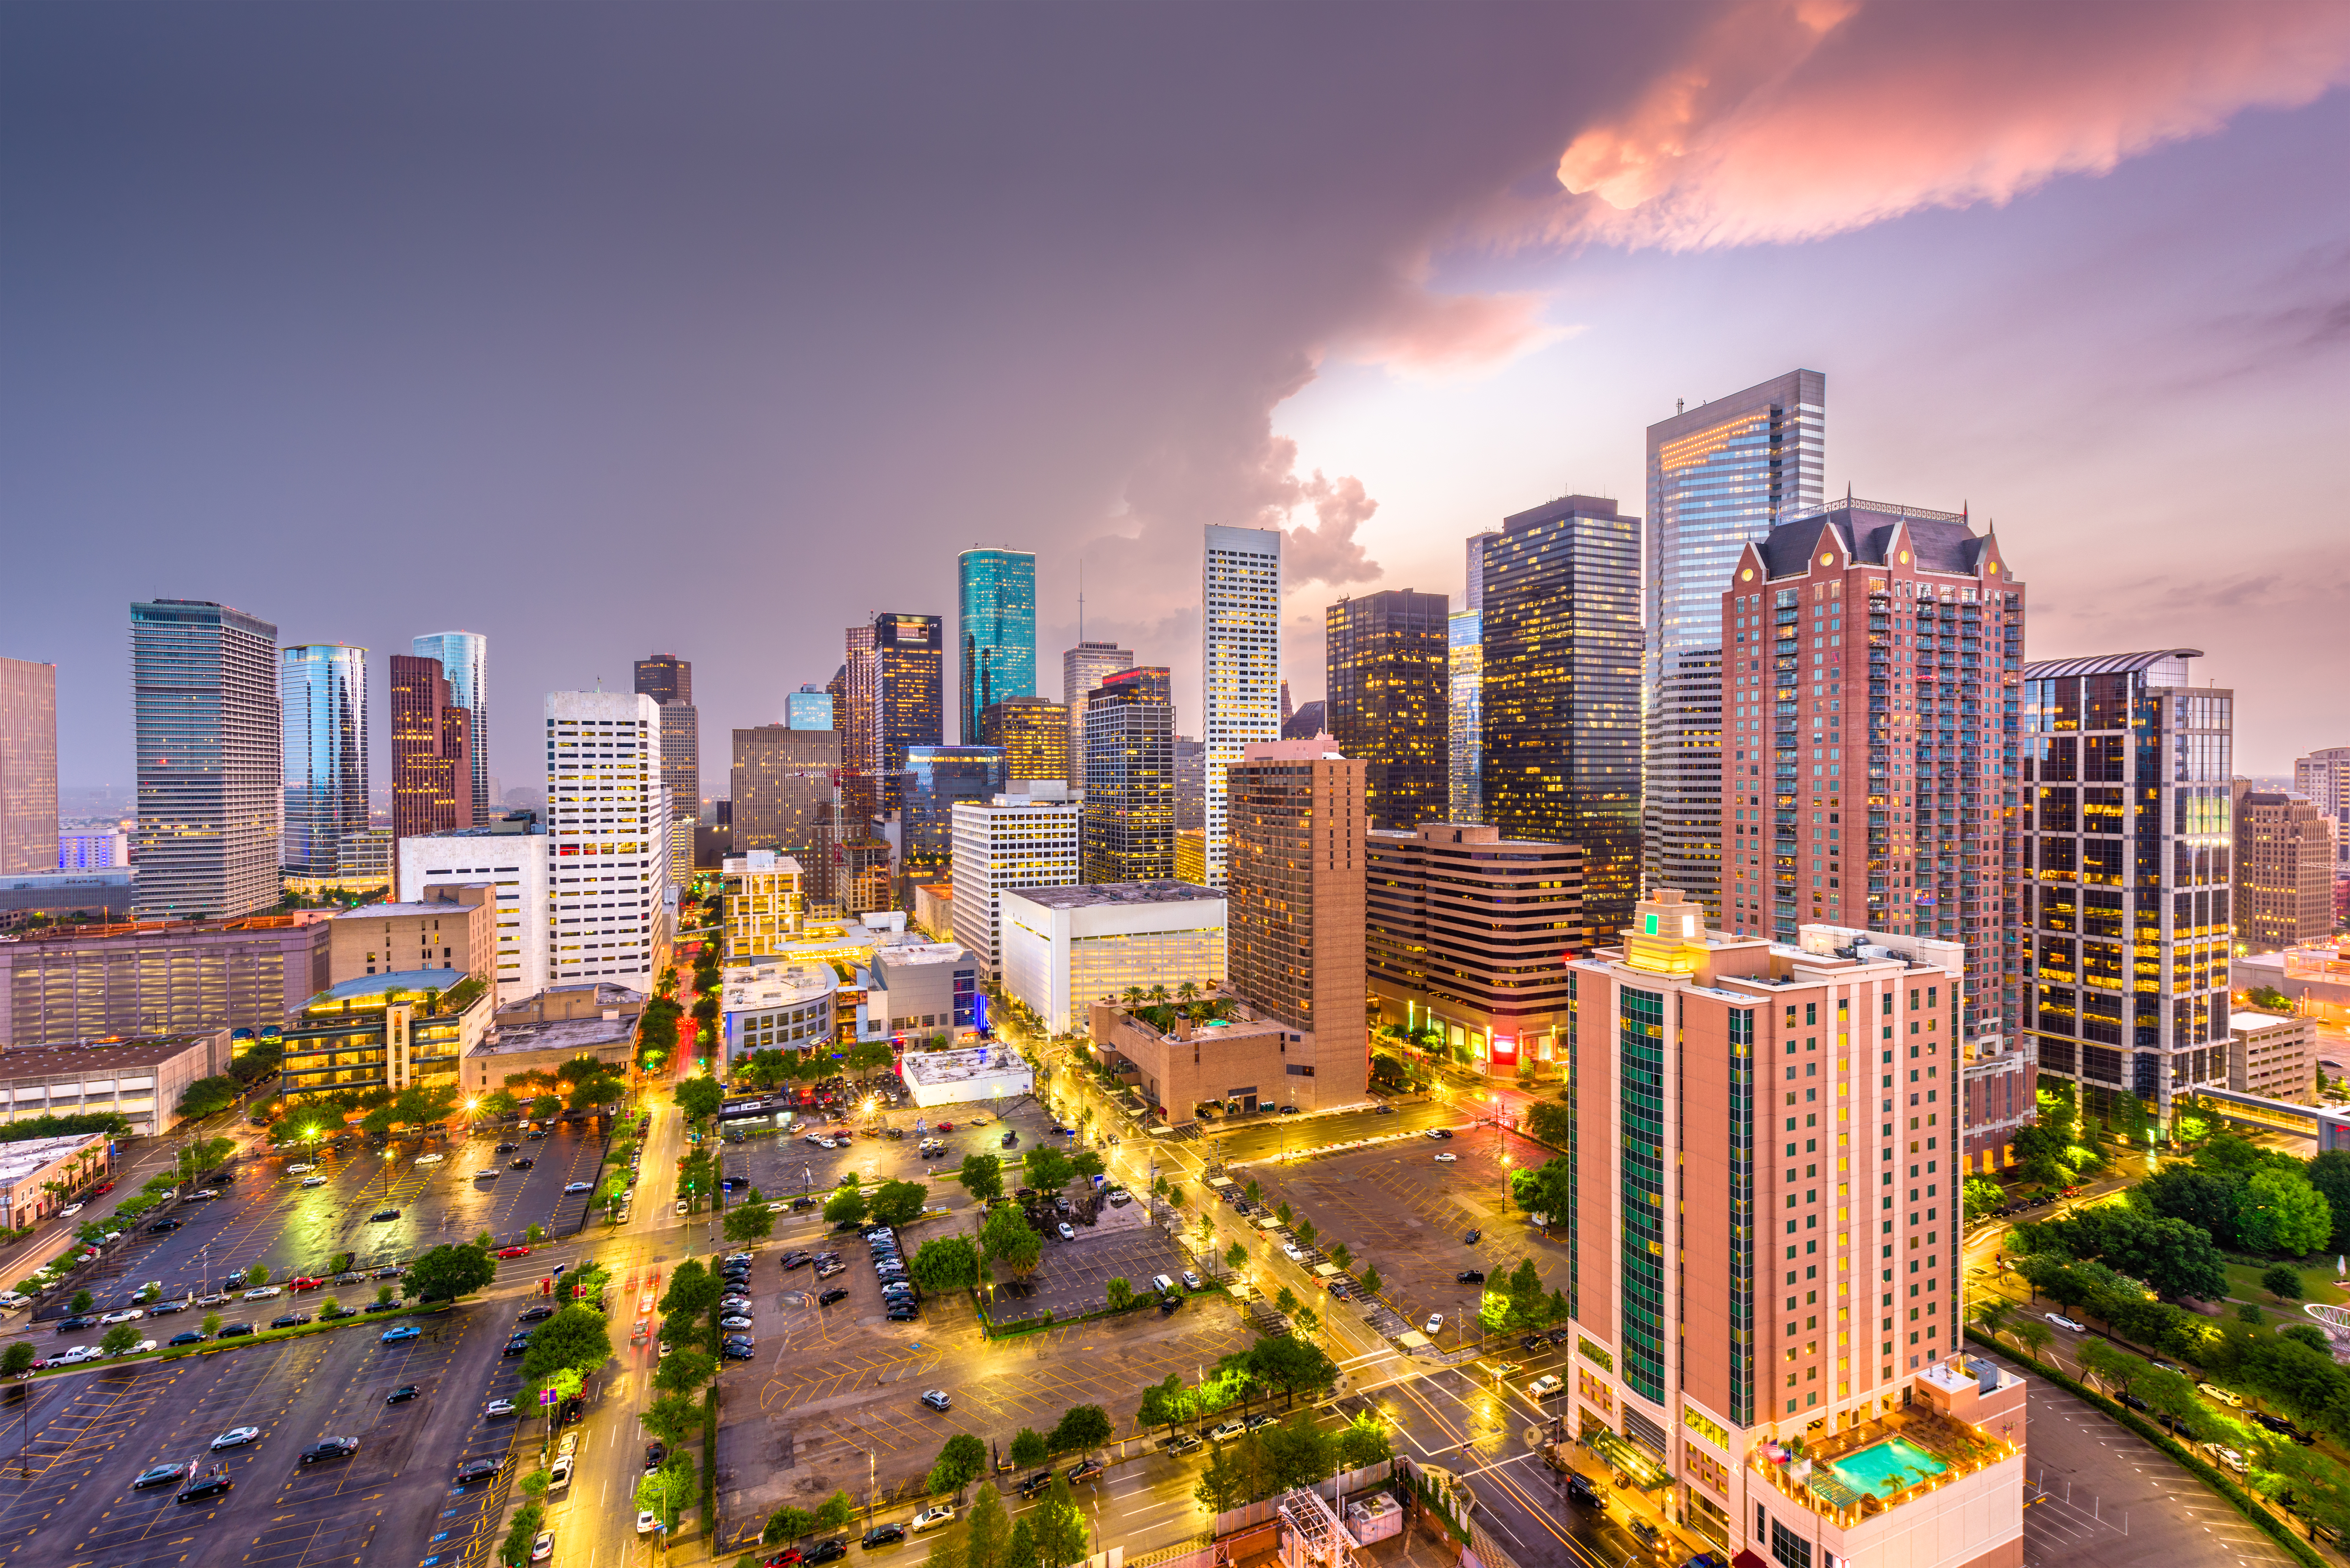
x,y
322,688
464,659
995,625
203,682
1387,674
1240,595
1719,476
936,777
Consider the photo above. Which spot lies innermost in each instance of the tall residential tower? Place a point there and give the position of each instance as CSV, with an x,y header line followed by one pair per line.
x,y
1241,604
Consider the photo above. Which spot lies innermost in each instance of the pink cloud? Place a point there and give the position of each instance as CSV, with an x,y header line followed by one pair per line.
x,y
1788,119
1419,333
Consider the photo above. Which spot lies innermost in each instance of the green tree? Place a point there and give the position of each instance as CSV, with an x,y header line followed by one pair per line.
x,y
1029,1448
1164,1405
846,1206
1281,1213
1305,1232
2282,1281
1362,1442
1342,1255
82,1302
699,1098
1300,1452
962,1461
1236,1256
1118,1294
1048,1170
1222,1485
835,1511
446,1273
1007,1240
211,1325
1081,1427
1528,1304
672,1417
1984,1197
683,1370
986,1528
2278,1211
666,1491
19,1358
1284,1362
786,1525
692,1291
2034,1336
945,1263
1086,1163
574,1339
1285,1302
121,1337
898,1202
751,1220
1060,1527
1991,1314
981,1176
1372,1283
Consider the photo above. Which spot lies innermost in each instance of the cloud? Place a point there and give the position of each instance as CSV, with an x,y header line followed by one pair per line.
x,y
1326,551
1416,333
1791,120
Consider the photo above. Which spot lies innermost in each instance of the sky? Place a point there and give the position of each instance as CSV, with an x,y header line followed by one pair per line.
x,y
710,329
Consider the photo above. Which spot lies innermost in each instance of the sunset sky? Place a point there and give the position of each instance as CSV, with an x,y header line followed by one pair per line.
x,y
709,329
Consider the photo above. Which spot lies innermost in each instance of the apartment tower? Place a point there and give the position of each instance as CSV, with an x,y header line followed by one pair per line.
x,y
1005,843
431,752
29,845
2284,873
996,632
1389,696
2123,880
322,689
1129,797
1241,603
203,680
1562,681
1083,668
464,659
1464,715
1719,476
607,841
669,680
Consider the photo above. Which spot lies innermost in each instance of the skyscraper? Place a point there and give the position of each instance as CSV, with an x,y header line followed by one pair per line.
x,y
2284,872
783,789
28,768
1387,701
606,916
669,680
1129,817
995,630
1464,713
1719,476
909,693
1034,735
1083,668
431,752
211,767
809,708
323,689
937,778
1296,912
2324,776
2123,880
1562,677
1241,620
1881,793
464,659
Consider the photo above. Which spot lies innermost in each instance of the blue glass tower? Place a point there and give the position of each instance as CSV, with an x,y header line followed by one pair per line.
x,y
995,602
323,689
464,659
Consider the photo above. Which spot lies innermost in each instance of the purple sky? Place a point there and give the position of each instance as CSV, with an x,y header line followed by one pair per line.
x,y
708,328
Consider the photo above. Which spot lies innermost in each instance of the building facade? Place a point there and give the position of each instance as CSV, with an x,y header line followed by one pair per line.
x,y
453,926
1033,735
2273,1057
140,1080
1910,751
386,1031
1083,668
1067,947
762,902
938,778
1129,797
2284,871
1296,920
1240,595
809,708
160,978
782,786
511,856
1764,1217
541,1032
465,657
909,695
93,850
1680,789
608,838
920,991
432,751
996,633
1466,933
1389,697
669,680
2324,776
777,1007
1562,680
322,688
106,896
1010,841
211,780
2124,874
28,770
39,1175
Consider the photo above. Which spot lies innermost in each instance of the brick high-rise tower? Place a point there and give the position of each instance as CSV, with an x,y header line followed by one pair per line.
x,y
431,752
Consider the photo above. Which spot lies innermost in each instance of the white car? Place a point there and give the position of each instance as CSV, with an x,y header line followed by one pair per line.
x,y
1434,1323
69,1211
499,1408
235,1438
142,1348
1067,1234
573,1185
128,1314
429,1158
2061,1321
1447,1157
646,1520
489,1175
313,1181
932,1517
300,1170
1296,1254
1545,1386
265,1292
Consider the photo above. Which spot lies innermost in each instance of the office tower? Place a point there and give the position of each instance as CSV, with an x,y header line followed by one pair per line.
x,y
995,630
1130,821
1927,724
2324,777
936,778
909,696
781,786
809,708
1191,855
1241,619
509,853
432,751
606,837
669,680
1296,894
1083,668
860,686
1308,721
464,659
322,688
93,851
1389,695
28,768
2284,872
84,982
1718,475
1562,674
1287,712
1033,735
1191,790
1464,716
1763,1215
2121,880
211,767
1005,842
1465,933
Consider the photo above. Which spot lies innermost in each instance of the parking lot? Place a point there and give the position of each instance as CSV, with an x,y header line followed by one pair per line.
x,y
783,1165
84,1437
267,1216
1071,1277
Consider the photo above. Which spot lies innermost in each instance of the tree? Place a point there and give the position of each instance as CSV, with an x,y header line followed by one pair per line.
x,y
945,1263
2034,1336
1342,1255
981,1176
19,1358
574,1339
1362,1442
1029,1448
1528,1304
1059,1526
846,1206
1164,1405
1281,1213
699,1098
962,1460
1081,1427
1307,1321
1086,1163
82,1302
2282,1281
753,1220
2199,1198
1372,1283
985,1529
1236,1256
682,1371
1118,1294
446,1273
121,1337
835,1511
666,1491
1299,1452
672,1417
1007,1240
1984,1197
1048,1170
1285,1302
786,1525
692,1291
1223,1484
1991,1314
2278,1211
212,1324
1304,1230
1284,1362
898,1202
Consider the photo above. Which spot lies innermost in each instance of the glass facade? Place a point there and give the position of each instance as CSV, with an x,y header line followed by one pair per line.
x,y
464,659
807,708
907,695
1741,1215
1464,713
1129,822
1388,680
996,632
322,688
935,778
1240,595
1641,1074
212,764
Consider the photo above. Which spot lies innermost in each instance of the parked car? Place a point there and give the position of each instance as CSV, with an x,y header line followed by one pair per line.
x,y
1439,1132
883,1536
1545,1386
204,1489
937,1400
1083,1470
474,1471
289,1320
2061,1321
401,1333
164,1475
1470,1277
330,1449
235,1438
1435,1321
403,1393
2212,1391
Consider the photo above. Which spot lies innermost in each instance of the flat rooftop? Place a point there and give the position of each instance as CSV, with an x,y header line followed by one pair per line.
x,y
386,912
939,1068
574,1036
19,1160
906,953
775,985
1092,895
109,1056
2253,1023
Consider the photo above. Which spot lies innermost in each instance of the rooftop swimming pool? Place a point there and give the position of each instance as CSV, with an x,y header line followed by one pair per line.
x,y
1887,1468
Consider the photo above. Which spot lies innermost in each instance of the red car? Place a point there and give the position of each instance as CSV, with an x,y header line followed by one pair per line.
x,y
303,1282
102,1190
788,1557
946,1127
513,1251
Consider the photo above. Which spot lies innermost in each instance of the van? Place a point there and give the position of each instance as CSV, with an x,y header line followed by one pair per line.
x,y
1163,1284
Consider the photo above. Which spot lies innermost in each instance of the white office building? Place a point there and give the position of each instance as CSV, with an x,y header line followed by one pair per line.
x,y
1065,948
1029,840
777,1006
511,856
1240,605
607,838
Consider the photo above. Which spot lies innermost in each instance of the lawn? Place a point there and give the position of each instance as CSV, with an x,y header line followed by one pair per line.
x,y
2317,1285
